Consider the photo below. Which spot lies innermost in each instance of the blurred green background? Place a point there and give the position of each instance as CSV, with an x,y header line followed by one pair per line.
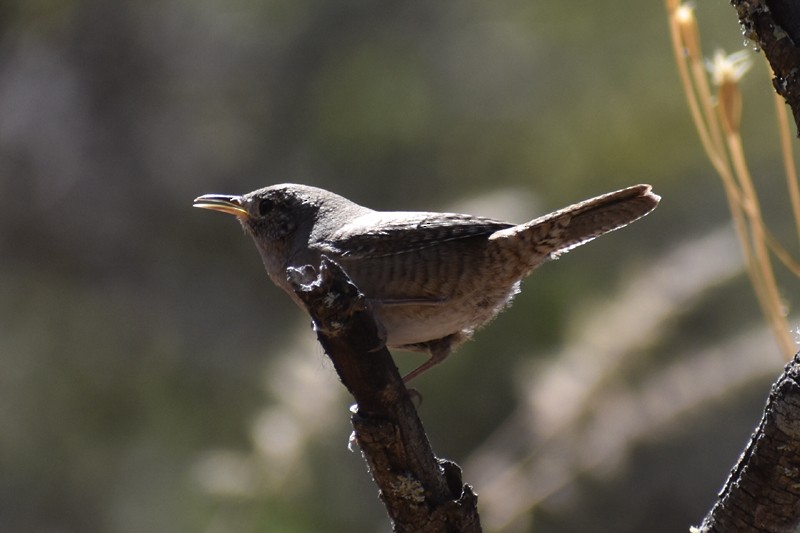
x,y
152,379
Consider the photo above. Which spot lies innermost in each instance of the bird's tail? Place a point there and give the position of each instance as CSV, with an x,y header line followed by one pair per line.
x,y
558,232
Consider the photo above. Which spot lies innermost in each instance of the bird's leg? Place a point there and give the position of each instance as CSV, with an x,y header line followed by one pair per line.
x,y
436,357
438,350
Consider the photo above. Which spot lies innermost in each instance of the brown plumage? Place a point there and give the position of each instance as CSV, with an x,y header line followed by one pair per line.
x,y
432,278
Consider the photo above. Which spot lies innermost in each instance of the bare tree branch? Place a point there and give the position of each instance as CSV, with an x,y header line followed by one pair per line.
x,y
775,26
421,493
763,490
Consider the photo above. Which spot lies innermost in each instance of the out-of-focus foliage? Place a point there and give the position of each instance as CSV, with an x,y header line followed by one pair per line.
x,y
151,379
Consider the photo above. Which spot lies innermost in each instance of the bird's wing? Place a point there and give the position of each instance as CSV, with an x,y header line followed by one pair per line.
x,y
409,258
380,234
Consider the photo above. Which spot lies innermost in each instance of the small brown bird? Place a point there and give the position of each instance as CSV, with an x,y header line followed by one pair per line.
x,y
432,278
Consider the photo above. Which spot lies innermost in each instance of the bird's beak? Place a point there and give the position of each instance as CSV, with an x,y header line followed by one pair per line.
x,y
233,205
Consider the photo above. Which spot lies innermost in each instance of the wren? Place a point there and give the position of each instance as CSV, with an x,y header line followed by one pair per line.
x,y
432,279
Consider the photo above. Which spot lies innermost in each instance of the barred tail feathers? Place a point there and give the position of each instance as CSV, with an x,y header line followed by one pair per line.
x,y
561,231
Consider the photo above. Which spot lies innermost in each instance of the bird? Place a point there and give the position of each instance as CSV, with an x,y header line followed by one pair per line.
x,y
431,279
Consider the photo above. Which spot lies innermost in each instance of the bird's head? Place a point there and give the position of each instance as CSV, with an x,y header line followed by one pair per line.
x,y
284,220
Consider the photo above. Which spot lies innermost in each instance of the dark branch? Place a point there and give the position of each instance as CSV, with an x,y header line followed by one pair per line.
x,y
763,490
421,493
775,26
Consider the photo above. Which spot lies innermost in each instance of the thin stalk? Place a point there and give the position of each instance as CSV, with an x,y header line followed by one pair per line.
x,y
787,153
768,286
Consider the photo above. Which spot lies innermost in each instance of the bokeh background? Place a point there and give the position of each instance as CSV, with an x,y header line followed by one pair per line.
x,y
152,379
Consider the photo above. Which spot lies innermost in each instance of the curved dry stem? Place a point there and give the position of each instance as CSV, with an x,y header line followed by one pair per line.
x,y
726,154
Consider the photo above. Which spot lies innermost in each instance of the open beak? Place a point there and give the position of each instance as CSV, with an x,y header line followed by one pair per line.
x,y
233,205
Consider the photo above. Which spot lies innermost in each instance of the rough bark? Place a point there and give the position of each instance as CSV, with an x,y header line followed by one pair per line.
x,y
421,492
762,492
774,26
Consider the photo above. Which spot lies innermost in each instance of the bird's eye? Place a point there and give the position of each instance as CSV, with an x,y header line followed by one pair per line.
x,y
265,206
